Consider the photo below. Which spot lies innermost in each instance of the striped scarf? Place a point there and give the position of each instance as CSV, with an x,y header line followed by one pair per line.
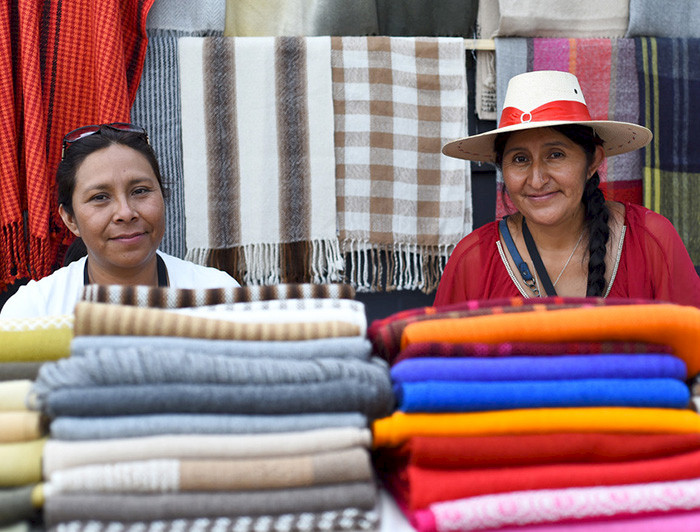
x,y
258,157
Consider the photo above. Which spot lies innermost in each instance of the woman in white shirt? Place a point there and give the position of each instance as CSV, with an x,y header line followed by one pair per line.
x,y
110,195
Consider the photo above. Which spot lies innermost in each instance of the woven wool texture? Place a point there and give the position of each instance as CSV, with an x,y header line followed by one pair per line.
x,y
397,101
150,296
259,165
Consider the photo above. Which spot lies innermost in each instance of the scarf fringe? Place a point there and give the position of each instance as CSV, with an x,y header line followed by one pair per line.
x,y
374,267
317,261
14,260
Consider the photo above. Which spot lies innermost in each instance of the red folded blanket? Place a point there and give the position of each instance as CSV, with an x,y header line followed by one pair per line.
x,y
530,449
420,486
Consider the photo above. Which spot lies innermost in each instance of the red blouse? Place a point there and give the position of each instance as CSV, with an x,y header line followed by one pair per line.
x,y
654,264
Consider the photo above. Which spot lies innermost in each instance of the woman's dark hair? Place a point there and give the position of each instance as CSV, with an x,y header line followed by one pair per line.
x,y
76,152
596,211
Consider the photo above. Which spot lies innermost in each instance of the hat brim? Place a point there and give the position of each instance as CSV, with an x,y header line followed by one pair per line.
x,y
618,137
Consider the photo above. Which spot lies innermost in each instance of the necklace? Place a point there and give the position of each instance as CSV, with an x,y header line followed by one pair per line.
x,y
569,259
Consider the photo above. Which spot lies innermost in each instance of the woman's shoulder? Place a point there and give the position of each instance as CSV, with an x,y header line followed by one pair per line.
x,y
54,294
486,233
641,219
186,274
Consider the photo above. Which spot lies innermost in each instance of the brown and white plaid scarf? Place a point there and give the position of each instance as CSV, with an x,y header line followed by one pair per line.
x,y
259,167
397,101
156,297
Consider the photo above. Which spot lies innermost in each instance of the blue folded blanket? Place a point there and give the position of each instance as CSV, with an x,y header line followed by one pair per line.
x,y
523,368
451,396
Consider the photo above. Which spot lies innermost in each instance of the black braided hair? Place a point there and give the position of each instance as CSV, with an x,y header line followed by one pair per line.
x,y
597,214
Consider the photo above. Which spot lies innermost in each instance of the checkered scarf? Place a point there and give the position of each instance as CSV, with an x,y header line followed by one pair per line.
x,y
397,101
52,54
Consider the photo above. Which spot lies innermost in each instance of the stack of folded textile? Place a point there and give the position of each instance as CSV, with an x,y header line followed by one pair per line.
x,y
566,412
238,415
26,345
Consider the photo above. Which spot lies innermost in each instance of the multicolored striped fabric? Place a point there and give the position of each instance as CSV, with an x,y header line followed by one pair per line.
x,y
607,74
669,85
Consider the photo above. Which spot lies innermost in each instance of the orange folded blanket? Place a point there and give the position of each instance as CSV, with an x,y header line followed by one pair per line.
x,y
399,427
674,325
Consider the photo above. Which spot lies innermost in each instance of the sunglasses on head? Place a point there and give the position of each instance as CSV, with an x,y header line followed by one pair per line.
x,y
86,131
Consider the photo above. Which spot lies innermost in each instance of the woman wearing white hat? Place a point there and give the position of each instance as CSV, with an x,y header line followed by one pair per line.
x,y
565,238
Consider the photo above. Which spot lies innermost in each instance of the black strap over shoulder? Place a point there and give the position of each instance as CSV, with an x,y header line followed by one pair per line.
x,y
537,261
519,262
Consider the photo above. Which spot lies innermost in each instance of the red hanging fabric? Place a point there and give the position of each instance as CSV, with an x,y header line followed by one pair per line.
x,y
62,65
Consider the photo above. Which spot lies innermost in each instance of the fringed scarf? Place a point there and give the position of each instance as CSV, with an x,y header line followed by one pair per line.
x,y
401,203
62,65
257,118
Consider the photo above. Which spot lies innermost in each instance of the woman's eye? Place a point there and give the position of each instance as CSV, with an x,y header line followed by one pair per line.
x,y
519,159
141,190
99,197
557,155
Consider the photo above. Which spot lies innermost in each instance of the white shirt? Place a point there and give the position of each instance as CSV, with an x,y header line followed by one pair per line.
x,y
59,292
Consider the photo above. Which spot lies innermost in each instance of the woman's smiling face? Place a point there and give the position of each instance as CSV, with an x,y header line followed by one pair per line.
x,y
545,173
118,209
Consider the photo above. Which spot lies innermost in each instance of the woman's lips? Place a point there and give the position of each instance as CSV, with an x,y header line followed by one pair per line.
x,y
128,239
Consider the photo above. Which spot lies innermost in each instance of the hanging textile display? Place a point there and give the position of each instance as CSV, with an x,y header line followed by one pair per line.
x,y
606,69
401,203
259,166
669,85
62,65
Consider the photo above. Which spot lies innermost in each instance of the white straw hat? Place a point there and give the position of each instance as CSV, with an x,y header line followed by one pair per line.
x,y
546,98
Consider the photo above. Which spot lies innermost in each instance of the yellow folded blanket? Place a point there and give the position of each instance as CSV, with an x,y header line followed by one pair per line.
x,y
13,395
20,463
20,426
674,325
35,339
399,427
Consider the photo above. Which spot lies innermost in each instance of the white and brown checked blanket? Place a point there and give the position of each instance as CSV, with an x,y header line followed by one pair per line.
x,y
396,102
157,297
259,167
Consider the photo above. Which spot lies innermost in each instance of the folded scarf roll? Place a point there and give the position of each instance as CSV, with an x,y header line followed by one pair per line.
x,y
128,367
461,396
90,428
347,519
163,297
20,426
150,507
578,508
675,325
528,449
532,368
17,504
13,394
396,429
20,463
513,349
183,475
35,339
59,455
105,319
347,347
425,485
372,398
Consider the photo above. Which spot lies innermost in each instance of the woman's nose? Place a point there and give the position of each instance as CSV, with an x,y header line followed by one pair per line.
x,y
124,210
538,174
